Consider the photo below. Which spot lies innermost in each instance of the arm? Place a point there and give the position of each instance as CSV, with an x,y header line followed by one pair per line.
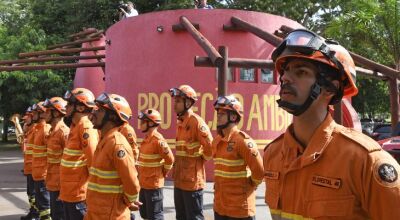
x,y
124,165
381,183
89,140
205,138
166,153
249,152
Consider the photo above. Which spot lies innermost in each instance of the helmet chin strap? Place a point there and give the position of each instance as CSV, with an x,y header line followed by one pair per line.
x,y
297,110
148,126
220,127
106,117
185,109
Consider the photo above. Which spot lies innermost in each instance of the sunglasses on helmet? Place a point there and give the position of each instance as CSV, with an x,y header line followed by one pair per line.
x,y
69,96
104,99
47,103
306,42
176,92
222,100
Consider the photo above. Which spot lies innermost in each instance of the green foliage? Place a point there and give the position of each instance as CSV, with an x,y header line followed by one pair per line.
x,y
312,14
370,28
19,34
373,97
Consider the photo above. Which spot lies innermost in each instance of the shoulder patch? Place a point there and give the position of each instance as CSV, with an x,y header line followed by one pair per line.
x,y
386,173
362,140
85,135
250,143
121,154
204,130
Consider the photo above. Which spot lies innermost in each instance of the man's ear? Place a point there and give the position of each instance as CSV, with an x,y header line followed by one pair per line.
x,y
188,103
233,117
80,108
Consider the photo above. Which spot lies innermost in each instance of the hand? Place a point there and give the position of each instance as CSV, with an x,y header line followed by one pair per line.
x,y
135,205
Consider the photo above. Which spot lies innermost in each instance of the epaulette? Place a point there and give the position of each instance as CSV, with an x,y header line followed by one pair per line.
x,y
244,135
158,136
360,139
273,141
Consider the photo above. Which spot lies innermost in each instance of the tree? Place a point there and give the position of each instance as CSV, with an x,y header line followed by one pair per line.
x,y
370,28
18,90
312,14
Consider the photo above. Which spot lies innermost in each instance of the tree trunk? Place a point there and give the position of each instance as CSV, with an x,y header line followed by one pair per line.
x,y
5,129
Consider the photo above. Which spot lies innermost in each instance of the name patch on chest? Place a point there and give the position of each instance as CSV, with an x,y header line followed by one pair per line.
x,y
271,175
334,183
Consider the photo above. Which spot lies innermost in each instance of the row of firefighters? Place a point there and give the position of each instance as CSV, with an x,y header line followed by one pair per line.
x,y
317,169
95,169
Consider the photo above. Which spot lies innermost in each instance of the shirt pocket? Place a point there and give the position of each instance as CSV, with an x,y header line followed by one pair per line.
x,y
330,207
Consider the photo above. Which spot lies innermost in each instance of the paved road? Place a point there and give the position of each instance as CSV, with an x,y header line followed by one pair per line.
x,y
13,199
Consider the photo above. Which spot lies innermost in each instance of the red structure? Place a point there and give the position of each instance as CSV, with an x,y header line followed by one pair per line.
x,y
91,77
145,58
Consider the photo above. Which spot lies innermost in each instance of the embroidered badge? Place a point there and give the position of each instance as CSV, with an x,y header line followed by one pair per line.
x,y
121,153
230,146
334,183
254,153
386,174
85,135
203,128
250,144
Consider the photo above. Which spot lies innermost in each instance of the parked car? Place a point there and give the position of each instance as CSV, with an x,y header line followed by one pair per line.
x,y
392,146
367,125
382,131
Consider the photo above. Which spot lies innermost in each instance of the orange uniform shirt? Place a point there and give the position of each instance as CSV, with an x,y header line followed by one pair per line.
x,y
113,183
193,148
39,152
238,171
28,150
76,159
129,133
341,174
55,145
155,161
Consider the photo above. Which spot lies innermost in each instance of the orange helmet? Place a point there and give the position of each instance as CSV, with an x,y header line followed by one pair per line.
x,y
150,115
82,95
56,103
39,107
184,91
308,45
115,103
229,103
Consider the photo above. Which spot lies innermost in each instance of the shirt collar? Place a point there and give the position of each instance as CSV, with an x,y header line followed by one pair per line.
x,y
318,143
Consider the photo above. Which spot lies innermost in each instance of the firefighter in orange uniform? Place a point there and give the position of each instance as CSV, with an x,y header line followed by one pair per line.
x,y
155,161
78,153
193,149
318,169
129,133
39,161
56,109
113,184
28,141
238,164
